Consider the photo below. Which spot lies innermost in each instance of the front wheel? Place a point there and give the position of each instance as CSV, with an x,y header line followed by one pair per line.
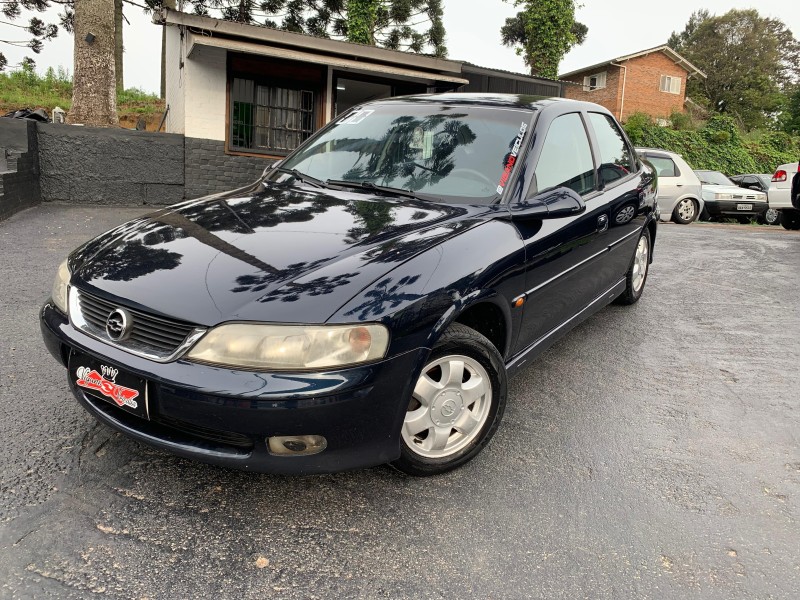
x,y
790,219
771,216
685,211
637,272
456,405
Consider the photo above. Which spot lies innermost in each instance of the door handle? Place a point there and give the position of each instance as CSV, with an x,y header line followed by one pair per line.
x,y
678,185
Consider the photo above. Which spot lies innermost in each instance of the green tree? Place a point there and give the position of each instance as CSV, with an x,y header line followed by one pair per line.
x,y
749,60
31,34
543,32
791,115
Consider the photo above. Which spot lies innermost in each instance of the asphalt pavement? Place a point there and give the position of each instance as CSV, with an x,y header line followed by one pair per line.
x,y
652,453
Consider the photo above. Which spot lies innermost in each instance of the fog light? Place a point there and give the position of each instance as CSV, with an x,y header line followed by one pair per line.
x,y
296,445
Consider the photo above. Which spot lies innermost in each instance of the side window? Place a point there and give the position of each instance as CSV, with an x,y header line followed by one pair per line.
x,y
566,157
665,167
616,161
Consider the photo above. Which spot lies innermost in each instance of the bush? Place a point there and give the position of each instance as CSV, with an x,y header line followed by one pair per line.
x,y
718,145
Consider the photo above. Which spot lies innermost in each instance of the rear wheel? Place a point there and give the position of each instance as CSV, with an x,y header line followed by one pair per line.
x,y
770,216
790,219
456,405
685,211
637,273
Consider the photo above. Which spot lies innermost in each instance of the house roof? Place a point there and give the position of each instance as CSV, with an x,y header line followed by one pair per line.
x,y
677,58
473,68
226,33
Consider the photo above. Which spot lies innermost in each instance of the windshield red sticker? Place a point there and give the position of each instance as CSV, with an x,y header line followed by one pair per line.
x,y
512,158
92,380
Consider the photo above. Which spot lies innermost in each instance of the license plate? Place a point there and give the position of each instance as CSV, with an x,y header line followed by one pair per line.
x,y
102,380
744,207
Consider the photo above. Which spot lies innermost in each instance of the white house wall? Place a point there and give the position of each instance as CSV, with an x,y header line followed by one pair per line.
x,y
205,84
175,81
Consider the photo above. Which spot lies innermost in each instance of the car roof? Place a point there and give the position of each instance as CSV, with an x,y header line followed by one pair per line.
x,y
518,101
667,153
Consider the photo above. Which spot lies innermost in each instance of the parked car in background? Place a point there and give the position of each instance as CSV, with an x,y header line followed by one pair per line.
x,y
780,195
760,183
368,298
679,189
723,198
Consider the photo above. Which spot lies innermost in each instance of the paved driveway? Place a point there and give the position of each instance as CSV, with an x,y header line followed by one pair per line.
x,y
653,453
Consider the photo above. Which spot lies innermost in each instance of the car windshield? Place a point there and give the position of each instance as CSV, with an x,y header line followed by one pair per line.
x,y
436,151
765,179
714,178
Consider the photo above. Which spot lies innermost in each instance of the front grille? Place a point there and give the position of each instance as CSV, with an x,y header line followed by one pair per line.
x,y
151,336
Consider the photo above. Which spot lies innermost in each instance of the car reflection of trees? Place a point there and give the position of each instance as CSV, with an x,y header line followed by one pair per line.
x,y
135,256
394,156
384,296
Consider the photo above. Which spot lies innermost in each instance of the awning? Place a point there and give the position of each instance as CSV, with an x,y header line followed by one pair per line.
x,y
194,40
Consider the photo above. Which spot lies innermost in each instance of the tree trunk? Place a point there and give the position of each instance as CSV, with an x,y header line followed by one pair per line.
x,y
118,44
170,4
94,94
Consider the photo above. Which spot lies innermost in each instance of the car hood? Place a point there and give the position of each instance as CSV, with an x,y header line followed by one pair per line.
x,y
278,254
731,189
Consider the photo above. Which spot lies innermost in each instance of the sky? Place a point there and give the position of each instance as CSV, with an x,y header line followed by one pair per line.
x,y
616,28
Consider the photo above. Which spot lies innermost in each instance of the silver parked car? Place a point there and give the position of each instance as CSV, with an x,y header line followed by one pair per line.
x,y
679,190
724,198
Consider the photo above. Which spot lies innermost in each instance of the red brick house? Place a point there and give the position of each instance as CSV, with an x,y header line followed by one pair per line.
x,y
651,81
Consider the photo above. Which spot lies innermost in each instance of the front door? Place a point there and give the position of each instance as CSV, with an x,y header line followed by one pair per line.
x,y
561,253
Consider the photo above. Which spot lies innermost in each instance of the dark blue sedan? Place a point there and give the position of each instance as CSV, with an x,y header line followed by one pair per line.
x,y
366,301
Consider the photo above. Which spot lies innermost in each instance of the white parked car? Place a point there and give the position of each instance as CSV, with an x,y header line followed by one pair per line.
x,y
780,195
679,189
724,198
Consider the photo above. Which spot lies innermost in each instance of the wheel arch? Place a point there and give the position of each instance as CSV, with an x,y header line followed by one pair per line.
x,y
487,313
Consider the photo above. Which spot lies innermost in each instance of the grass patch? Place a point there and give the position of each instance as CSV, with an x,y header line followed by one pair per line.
x,y
24,88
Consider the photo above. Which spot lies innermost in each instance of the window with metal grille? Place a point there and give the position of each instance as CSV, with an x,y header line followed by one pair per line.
x,y
269,119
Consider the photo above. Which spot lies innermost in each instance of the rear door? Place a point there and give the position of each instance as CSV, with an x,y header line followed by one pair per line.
x,y
620,185
670,184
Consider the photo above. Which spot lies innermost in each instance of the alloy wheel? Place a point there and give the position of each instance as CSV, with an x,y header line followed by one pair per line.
x,y
449,406
640,262
686,210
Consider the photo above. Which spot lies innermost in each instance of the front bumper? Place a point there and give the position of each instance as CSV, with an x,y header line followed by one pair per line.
x,y
223,416
717,208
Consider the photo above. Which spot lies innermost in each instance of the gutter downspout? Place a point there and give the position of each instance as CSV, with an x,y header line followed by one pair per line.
x,y
624,81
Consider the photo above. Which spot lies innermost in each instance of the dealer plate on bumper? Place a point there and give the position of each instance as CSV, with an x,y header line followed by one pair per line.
x,y
744,207
109,383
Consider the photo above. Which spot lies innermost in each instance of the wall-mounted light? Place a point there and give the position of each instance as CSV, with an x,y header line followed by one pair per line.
x,y
340,87
89,38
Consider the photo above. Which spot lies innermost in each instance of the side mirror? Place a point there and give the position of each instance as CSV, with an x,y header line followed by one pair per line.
x,y
552,204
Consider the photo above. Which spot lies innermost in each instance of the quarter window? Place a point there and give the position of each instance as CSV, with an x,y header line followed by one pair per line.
x,y
670,84
616,161
665,167
566,157
269,119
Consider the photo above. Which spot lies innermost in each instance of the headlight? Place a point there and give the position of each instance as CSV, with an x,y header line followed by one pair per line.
x,y
60,286
291,347
723,196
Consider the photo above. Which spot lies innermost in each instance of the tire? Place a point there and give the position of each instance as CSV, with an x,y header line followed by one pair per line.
x,y
704,216
636,276
448,422
790,219
685,211
772,216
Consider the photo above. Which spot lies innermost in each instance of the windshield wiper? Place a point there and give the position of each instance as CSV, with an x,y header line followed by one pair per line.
x,y
302,177
368,185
